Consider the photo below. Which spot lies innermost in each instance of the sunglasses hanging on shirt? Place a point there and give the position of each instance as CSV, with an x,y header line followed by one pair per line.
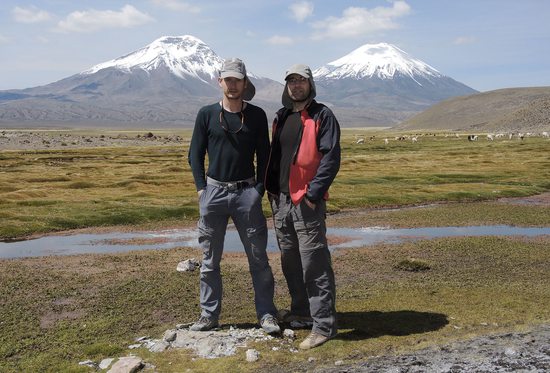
x,y
225,124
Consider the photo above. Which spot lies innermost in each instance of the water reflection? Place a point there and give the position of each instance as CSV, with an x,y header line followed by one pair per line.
x,y
339,238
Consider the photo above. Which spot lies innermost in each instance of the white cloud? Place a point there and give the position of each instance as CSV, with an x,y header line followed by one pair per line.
x,y
280,40
301,10
461,40
177,5
4,39
360,21
30,15
93,20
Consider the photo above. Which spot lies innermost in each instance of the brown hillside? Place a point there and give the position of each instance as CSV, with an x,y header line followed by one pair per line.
x,y
503,110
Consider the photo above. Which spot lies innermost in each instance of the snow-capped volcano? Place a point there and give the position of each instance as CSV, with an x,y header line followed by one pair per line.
x,y
385,81
375,60
184,56
167,81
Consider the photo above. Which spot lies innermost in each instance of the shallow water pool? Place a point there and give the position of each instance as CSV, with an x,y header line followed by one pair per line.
x,y
340,238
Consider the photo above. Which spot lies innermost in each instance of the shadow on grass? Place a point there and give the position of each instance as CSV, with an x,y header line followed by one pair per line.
x,y
363,325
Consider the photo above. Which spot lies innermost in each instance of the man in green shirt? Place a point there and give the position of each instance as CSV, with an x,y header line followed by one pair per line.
x,y
232,132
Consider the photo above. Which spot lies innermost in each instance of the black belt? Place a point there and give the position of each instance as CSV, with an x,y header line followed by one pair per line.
x,y
230,185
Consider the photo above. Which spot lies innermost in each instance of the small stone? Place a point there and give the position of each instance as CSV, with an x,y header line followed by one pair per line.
x,y
134,346
339,362
169,336
252,355
127,364
159,346
289,333
104,364
88,363
188,265
510,352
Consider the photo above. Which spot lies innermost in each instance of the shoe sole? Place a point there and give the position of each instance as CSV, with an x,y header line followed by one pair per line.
x,y
316,345
205,329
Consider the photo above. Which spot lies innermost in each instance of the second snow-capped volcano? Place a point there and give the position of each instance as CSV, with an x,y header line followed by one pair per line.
x,y
375,60
385,82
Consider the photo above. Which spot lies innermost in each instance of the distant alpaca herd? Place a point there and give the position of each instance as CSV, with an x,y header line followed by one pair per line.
x,y
490,137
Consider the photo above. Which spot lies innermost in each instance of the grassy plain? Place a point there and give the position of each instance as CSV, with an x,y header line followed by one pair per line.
x,y
57,311
45,190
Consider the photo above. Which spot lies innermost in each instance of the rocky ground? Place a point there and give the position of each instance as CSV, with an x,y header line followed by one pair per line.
x,y
510,352
35,140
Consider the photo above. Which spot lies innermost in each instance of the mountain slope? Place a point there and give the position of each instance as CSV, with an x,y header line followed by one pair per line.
x,y
381,78
165,82
503,110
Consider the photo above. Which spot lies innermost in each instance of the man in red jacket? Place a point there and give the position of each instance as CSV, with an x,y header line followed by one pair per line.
x,y
304,160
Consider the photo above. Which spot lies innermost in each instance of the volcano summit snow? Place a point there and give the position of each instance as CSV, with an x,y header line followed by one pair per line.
x,y
380,83
185,57
381,60
166,82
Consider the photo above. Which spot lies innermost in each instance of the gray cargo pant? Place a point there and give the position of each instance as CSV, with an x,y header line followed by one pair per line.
x,y
306,261
244,207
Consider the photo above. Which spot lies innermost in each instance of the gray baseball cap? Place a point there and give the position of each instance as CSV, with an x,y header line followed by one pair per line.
x,y
304,71
235,68
299,69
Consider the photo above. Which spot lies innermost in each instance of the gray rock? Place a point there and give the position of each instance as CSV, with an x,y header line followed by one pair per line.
x,y
127,364
159,346
252,355
289,333
187,265
88,363
213,344
105,363
169,335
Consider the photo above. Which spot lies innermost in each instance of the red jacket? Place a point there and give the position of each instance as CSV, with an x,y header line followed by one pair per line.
x,y
316,159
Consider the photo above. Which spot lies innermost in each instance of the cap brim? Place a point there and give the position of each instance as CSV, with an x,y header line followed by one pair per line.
x,y
301,73
231,74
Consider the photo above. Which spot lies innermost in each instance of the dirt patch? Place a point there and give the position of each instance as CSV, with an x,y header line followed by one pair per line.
x,y
49,319
337,240
539,200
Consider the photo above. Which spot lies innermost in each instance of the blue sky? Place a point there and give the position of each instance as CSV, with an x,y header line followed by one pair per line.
x,y
486,44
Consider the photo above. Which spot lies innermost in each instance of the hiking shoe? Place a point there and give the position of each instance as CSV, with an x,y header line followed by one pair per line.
x,y
313,340
269,324
295,321
203,324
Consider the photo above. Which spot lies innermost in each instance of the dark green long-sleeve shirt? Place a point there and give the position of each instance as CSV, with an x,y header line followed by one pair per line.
x,y
230,155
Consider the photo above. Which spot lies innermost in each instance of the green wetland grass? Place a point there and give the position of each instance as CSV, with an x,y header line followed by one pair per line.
x,y
93,187
391,298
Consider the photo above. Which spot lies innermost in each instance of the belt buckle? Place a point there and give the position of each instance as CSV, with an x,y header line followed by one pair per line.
x,y
232,186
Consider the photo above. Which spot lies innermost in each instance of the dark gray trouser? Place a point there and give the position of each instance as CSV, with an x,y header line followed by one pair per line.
x,y
306,262
245,209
